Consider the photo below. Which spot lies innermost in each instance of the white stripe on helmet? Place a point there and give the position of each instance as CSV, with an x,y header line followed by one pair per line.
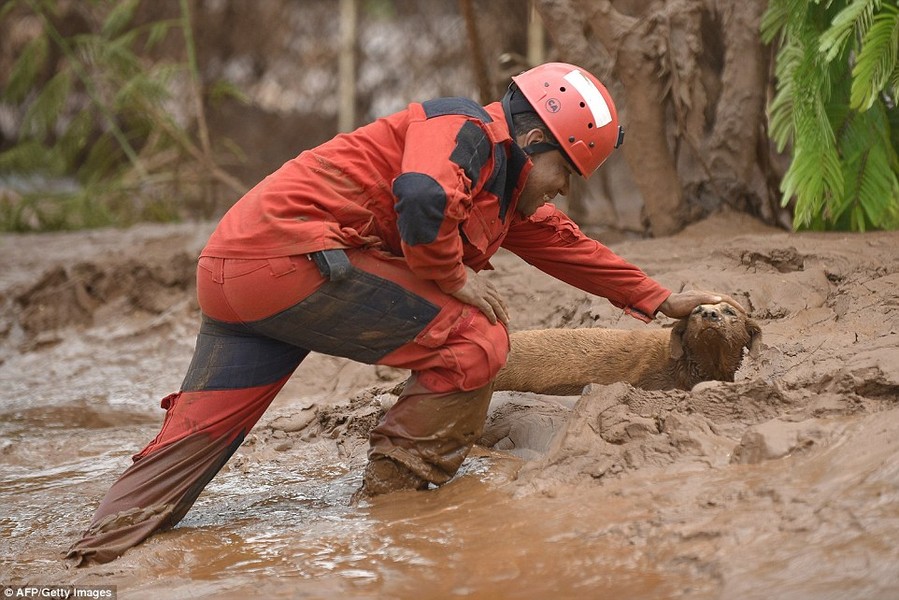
x,y
592,96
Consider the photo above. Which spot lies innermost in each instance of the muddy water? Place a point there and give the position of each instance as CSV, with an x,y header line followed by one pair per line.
x,y
277,523
281,526
782,484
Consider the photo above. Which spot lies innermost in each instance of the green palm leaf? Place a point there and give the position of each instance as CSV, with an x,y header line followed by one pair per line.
x,y
877,60
835,107
856,17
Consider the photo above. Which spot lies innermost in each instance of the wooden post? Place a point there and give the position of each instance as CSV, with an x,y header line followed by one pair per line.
x,y
536,37
478,62
346,117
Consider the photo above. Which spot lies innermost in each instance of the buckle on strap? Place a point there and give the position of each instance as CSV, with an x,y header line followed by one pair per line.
x,y
333,264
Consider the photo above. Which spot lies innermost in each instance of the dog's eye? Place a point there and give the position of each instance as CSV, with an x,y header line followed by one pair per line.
x,y
730,312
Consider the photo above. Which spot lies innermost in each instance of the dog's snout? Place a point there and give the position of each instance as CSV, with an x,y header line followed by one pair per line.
x,y
710,313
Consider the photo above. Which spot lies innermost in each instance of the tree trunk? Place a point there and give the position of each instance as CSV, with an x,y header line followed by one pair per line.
x,y
689,78
478,63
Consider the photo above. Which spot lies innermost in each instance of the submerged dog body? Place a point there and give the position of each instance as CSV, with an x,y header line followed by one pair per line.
x,y
706,345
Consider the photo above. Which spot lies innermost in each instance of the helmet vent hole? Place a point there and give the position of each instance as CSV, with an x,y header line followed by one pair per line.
x,y
589,125
562,89
583,105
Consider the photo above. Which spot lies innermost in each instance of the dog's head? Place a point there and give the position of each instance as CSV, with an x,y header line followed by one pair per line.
x,y
714,336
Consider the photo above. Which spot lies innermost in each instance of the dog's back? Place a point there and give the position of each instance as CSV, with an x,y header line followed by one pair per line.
x,y
563,361
706,345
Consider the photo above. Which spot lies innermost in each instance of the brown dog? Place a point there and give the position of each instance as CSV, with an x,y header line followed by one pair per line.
x,y
706,345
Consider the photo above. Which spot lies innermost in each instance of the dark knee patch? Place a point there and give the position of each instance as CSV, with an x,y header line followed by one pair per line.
x,y
362,317
228,357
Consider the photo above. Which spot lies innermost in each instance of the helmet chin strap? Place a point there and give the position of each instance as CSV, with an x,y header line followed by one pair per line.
x,y
541,147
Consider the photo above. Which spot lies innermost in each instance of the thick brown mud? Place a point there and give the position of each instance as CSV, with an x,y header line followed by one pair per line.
x,y
783,483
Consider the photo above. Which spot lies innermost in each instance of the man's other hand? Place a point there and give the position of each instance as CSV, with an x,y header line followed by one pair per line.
x,y
480,292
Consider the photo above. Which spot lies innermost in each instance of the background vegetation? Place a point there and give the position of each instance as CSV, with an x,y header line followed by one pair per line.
x,y
119,111
109,134
835,108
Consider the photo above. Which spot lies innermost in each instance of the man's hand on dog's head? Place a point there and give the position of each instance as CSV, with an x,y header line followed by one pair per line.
x,y
681,304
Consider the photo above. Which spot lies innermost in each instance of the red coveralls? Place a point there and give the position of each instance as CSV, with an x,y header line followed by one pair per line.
x,y
400,207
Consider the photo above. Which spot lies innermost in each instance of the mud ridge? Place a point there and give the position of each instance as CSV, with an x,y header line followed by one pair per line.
x,y
67,296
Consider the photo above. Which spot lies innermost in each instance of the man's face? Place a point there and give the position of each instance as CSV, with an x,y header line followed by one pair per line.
x,y
549,177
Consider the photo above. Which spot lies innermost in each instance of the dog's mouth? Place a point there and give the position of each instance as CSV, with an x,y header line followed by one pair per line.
x,y
709,324
714,335
710,333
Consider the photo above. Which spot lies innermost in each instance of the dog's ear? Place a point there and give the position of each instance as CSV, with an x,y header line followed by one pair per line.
x,y
676,341
755,337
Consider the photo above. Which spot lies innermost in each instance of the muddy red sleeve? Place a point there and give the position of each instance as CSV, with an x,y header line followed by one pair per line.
x,y
553,243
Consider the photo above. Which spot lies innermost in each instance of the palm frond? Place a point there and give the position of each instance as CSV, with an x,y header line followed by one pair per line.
x,y
893,85
157,33
835,106
44,111
77,135
869,180
32,156
119,18
780,17
781,108
774,20
141,91
102,162
26,69
892,134
877,59
854,18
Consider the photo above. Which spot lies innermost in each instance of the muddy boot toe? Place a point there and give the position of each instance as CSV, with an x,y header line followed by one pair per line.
x,y
384,475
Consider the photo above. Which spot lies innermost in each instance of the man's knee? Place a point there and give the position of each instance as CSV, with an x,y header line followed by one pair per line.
x,y
480,350
493,342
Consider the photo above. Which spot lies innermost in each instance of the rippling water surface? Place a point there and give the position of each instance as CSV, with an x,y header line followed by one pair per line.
x,y
284,526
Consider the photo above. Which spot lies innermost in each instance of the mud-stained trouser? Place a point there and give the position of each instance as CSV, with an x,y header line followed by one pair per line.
x,y
260,320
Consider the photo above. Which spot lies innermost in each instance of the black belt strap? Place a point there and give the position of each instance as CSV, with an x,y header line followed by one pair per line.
x,y
332,264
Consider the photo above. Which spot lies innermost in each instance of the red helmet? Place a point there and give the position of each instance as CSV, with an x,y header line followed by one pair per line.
x,y
578,110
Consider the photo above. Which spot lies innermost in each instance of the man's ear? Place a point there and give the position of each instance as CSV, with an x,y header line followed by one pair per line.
x,y
533,136
676,341
755,338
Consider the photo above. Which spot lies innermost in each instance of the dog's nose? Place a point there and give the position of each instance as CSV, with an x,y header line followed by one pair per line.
x,y
711,314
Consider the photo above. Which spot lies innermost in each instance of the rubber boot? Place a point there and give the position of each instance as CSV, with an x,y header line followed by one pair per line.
x,y
424,438
384,475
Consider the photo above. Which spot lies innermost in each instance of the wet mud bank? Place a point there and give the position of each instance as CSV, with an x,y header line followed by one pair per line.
x,y
783,483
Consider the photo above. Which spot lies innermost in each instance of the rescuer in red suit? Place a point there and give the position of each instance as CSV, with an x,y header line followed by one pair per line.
x,y
369,247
